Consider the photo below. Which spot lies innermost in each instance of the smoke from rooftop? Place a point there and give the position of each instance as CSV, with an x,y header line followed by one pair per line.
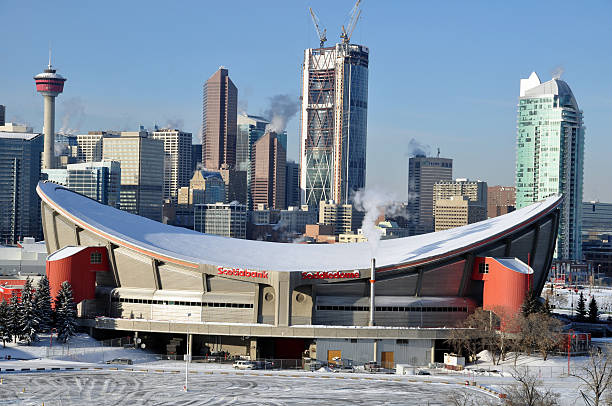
x,y
557,72
282,108
415,148
375,202
175,123
74,115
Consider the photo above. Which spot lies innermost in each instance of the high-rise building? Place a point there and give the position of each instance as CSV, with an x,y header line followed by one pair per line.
x,y
142,172
596,220
100,181
235,184
50,84
550,155
204,187
333,123
423,173
177,160
225,219
458,203
250,129
89,146
268,160
457,211
196,156
342,217
20,155
474,191
292,184
500,200
2,114
220,103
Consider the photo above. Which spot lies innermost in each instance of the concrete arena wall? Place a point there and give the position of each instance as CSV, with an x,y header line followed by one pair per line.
x,y
282,298
413,351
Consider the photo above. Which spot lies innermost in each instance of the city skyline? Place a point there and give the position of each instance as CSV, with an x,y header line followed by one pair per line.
x,y
446,58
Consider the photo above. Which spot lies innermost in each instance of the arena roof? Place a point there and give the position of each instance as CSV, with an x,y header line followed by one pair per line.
x,y
180,244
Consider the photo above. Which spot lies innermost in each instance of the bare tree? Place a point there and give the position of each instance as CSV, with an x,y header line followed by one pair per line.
x,y
596,378
529,391
547,335
466,398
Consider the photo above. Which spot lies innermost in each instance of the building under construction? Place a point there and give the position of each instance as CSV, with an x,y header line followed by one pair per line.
x,y
334,118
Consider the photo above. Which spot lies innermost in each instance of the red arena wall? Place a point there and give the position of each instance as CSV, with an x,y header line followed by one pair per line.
x,y
8,286
79,268
504,289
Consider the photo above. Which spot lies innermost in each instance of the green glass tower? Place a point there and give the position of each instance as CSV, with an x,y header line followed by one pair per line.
x,y
550,155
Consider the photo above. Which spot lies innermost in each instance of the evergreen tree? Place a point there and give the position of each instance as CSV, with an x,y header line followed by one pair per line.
x,y
581,308
65,313
29,322
593,311
15,312
531,304
42,305
5,331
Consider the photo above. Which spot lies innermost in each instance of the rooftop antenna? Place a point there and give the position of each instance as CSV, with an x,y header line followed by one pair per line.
x,y
49,54
438,152
348,32
322,34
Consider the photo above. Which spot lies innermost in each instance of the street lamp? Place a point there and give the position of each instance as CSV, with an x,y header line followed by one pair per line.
x,y
53,330
187,354
570,335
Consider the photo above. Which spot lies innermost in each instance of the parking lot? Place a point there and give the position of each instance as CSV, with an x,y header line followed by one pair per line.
x,y
166,388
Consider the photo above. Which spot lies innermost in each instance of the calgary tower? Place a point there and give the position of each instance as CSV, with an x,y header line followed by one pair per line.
x,y
50,85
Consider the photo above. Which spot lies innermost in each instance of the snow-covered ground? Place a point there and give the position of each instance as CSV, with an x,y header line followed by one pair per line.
x,y
566,299
152,381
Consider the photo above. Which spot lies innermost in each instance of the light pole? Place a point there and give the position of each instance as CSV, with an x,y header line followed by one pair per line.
x,y
53,330
570,335
187,354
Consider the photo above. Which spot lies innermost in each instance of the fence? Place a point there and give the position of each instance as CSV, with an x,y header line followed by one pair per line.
x,y
541,372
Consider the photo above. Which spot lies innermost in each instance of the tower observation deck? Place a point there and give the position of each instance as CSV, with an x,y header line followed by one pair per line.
x,y
50,84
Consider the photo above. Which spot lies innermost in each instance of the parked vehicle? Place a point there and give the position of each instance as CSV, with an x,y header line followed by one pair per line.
x,y
243,364
372,366
264,365
120,361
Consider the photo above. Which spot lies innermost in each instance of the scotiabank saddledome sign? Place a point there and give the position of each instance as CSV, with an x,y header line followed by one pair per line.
x,y
241,272
330,275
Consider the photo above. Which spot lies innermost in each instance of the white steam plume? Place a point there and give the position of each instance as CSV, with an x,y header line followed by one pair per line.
x,y
375,202
415,148
74,115
282,108
175,123
558,72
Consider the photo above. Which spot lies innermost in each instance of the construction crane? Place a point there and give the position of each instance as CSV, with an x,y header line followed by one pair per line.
x,y
322,34
348,32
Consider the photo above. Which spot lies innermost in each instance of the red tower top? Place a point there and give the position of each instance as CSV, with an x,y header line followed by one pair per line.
x,y
49,83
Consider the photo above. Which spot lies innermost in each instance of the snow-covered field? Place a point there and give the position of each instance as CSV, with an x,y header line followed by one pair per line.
x,y
566,299
156,382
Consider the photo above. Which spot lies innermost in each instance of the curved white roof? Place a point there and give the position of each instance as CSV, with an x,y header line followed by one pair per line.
x,y
65,252
183,245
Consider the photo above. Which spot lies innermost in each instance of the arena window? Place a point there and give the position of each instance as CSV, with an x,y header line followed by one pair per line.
x,y
180,303
95,258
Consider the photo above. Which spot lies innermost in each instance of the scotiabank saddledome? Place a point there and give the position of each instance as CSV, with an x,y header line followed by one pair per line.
x,y
130,268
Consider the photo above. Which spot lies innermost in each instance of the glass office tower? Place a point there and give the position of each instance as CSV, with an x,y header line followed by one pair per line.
x,y
333,123
550,155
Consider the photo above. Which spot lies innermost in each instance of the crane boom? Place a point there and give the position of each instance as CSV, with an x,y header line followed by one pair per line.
x,y
348,32
322,34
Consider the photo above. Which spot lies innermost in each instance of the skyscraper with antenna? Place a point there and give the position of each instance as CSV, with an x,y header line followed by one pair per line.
x,y
50,84
333,129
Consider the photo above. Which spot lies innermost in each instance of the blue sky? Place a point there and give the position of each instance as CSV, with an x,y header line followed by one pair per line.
x,y
445,73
